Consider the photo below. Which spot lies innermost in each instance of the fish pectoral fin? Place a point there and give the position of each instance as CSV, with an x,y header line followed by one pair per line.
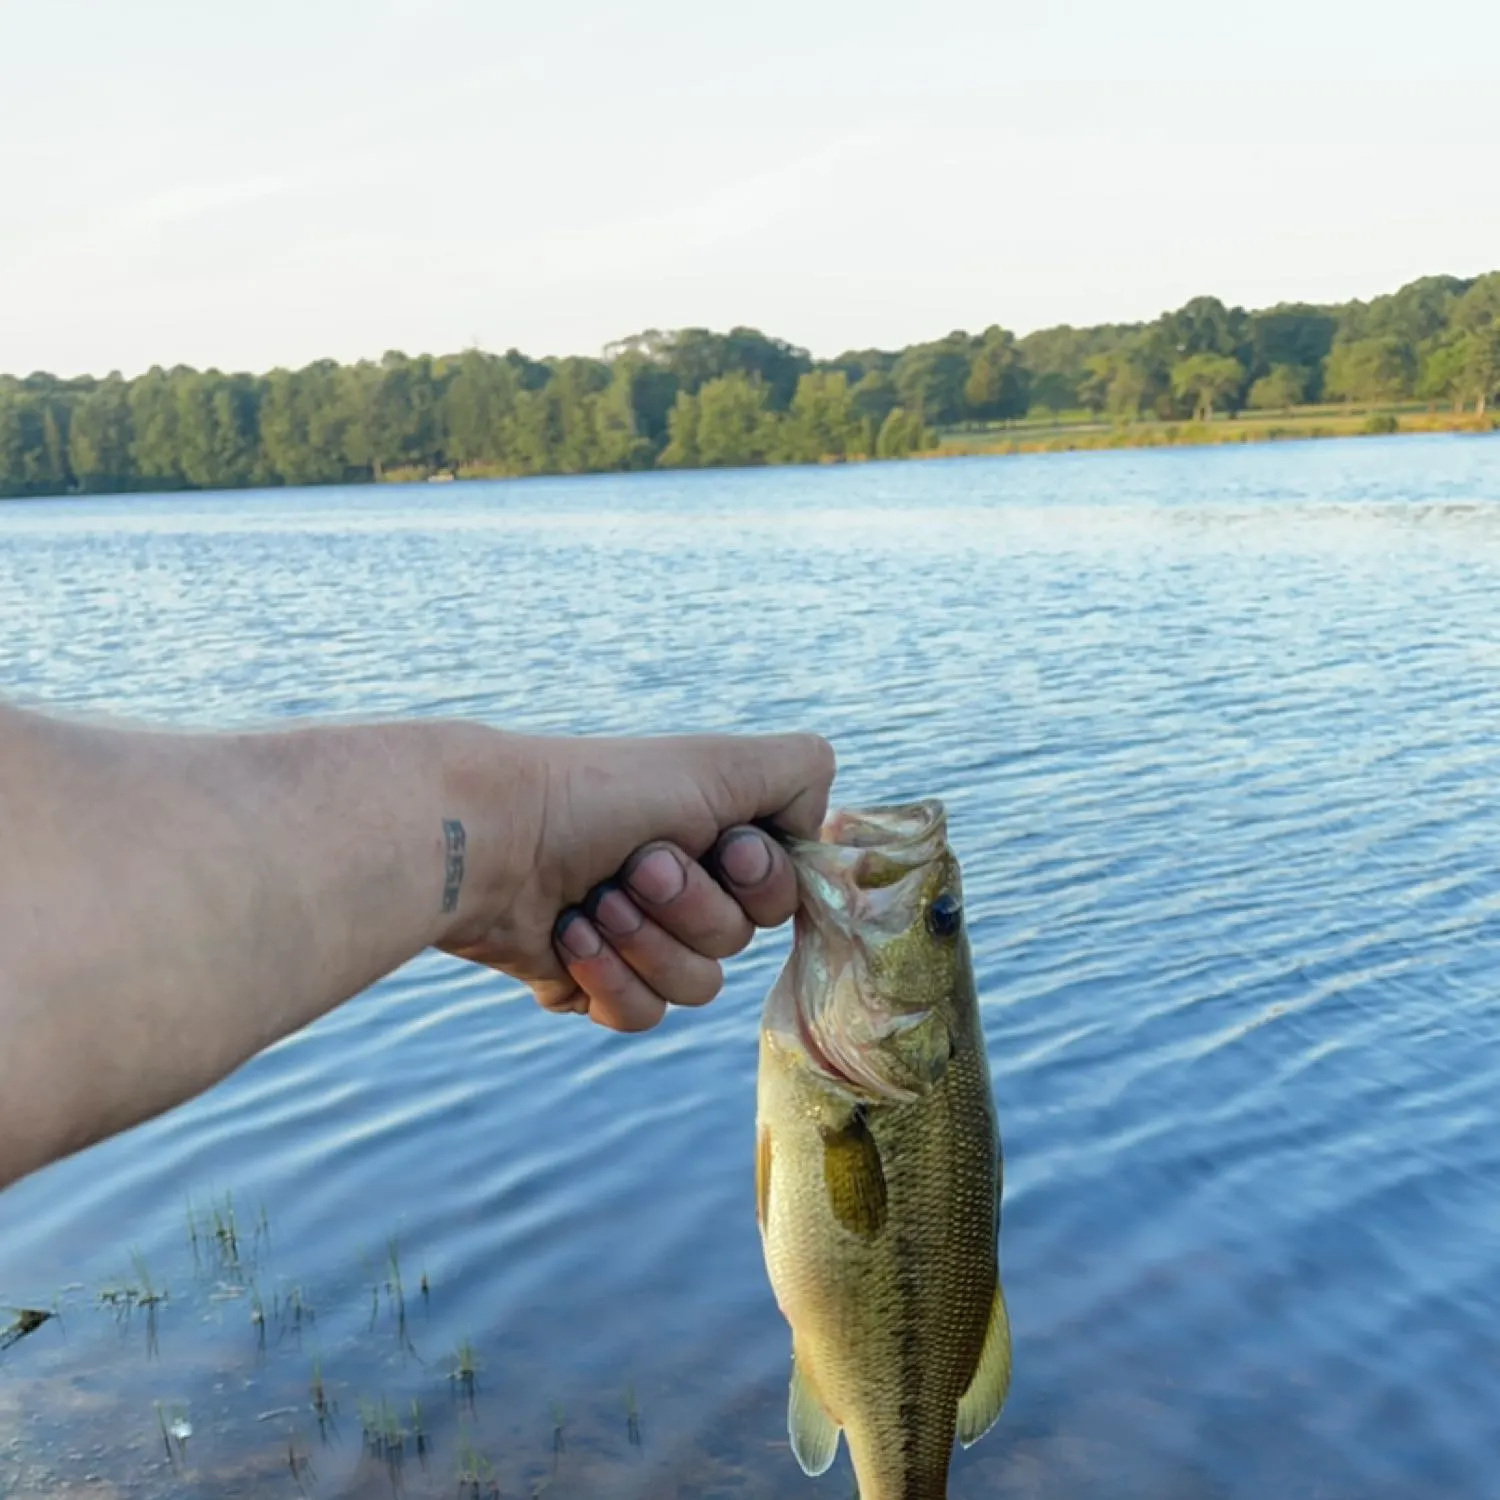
x,y
979,1406
855,1178
814,1434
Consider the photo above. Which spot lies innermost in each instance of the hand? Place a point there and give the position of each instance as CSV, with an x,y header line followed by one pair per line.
x,y
614,912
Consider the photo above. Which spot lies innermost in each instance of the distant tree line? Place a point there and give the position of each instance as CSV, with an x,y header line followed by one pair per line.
x,y
699,399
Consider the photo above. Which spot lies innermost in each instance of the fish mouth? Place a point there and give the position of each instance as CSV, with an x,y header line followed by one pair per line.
x,y
866,870
860,882
906,831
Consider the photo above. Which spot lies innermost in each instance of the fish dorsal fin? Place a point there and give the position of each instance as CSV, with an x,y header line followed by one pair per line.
x,y
979,1406
814,1434
854,1177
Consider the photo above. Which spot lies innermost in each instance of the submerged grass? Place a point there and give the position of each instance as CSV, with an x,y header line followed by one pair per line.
x,y
230,1263
632,1417
476,1474
324,1409
25,1321
465,1371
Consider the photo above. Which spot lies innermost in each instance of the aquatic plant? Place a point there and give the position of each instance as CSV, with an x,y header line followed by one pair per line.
x,y
632,1417
476,1474
26,1321
465,1370
324,1409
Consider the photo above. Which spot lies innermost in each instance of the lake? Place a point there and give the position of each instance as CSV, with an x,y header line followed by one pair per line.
x,y
1219,731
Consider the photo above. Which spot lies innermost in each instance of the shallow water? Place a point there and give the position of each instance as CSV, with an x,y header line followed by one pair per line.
x,y
1220,735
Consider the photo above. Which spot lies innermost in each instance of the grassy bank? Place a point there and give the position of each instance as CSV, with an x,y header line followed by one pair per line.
x,y
1082,434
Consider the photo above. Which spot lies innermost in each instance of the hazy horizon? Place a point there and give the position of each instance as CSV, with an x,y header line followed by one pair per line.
x,y
341,179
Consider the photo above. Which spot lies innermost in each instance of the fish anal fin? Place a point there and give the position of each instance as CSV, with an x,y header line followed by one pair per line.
x,y
855,1178
979,1406
814,1434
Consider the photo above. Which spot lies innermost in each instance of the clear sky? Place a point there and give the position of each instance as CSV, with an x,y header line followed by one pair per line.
x,y
246,185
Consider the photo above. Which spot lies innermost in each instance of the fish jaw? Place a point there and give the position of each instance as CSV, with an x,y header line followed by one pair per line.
x,y
862,885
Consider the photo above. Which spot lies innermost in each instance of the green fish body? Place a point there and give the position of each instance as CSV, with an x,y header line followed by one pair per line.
x,y
879,1169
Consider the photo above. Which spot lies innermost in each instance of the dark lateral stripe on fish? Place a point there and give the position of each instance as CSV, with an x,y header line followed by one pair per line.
x,y
912,1381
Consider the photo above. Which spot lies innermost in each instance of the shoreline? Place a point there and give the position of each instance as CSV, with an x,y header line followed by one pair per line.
x,y
1288,427
1076,438
1063,438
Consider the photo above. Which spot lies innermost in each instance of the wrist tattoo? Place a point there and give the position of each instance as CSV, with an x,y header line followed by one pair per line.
x,y
455,838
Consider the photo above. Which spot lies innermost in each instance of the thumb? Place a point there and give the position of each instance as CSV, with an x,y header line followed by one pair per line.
x,y
785,778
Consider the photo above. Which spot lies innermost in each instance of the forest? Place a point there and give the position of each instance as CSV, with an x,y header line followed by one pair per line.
x,y
694,398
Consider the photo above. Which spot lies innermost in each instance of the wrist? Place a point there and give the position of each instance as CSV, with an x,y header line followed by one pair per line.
x,y
492,791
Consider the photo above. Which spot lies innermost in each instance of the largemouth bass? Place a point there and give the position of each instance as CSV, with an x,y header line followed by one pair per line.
x,y
878,1169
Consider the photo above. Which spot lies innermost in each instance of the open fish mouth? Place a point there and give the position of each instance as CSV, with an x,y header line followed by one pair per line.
x,y
865,873
905,831
861,882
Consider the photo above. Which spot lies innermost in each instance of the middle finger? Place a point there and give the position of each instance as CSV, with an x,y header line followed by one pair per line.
x,y
682,898
670,968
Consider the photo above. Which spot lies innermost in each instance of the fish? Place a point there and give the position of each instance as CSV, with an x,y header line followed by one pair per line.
x,y
879,1166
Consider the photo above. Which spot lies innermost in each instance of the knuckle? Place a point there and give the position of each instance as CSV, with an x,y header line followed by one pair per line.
x,y
704,985
731,943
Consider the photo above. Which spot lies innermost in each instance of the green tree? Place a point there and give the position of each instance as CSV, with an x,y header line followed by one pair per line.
x,y
930,379
401,428
997,387
874,397
1283,387
1207,381
155,449
99,436
217,434
1372,369
681,451
697,396
479,398
901,434
736,426
33,440
1295,335
305,421
1121,383
1479,380
1059,362
651,390
823,422
1202,326
618,441
1441,374
1479,305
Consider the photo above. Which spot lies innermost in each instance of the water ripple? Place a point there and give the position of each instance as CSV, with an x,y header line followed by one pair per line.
x,y
1220,734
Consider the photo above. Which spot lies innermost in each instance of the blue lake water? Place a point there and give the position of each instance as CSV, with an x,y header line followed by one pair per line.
x,y
1220,735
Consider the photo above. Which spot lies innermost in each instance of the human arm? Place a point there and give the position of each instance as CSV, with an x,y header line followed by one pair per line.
x,y
173,903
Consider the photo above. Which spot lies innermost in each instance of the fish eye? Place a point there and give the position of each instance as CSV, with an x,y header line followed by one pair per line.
x,y
945,916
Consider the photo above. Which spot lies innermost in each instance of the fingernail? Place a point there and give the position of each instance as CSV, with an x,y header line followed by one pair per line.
x,y
576,934
613,910
745,859
656,877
